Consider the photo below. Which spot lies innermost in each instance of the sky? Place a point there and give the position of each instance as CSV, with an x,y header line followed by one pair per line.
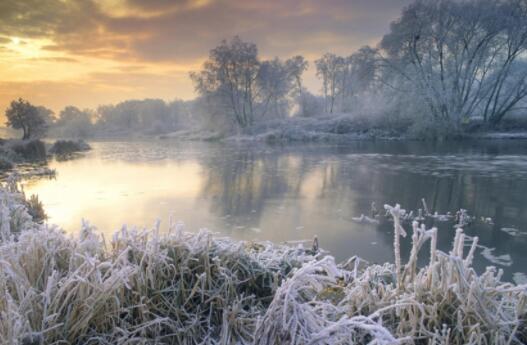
x,y
91,52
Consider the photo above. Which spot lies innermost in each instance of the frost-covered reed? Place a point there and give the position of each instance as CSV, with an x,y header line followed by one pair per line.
x,y
196,288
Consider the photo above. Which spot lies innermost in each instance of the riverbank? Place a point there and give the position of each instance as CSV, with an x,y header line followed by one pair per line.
x,y
31,156
180,287
345,128
499,135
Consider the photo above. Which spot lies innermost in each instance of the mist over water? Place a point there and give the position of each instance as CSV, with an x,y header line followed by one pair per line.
x,y
282,193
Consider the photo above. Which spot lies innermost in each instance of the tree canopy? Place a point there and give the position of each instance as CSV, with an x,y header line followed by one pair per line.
x,y
245,88
23,115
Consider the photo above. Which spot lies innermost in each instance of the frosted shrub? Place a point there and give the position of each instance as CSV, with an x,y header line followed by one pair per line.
x,y
445,302
14,214
175,288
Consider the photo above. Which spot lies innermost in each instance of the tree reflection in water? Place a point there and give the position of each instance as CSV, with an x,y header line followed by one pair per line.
x,y
294,192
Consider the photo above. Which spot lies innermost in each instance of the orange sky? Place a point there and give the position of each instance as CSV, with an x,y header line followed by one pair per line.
x,y
91,52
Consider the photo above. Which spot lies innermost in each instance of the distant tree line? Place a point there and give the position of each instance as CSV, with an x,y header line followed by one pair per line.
x,y
442,65
149,116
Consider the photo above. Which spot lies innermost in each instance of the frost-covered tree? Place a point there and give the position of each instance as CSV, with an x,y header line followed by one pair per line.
x,y
296,66
344,78
244,89
73,122
179,115
23,115
229,77
274,84
148,115
280,84
46,114
462,58
330,69
364,65
309,105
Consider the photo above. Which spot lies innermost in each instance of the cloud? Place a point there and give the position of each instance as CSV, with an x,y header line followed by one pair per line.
x,y
129,45
279,28
56,59
179,30
167,5
44,18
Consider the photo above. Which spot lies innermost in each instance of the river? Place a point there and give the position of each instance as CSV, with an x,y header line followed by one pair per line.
x,y
282,193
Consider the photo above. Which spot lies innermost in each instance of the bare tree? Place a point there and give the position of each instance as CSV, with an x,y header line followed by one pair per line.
x,y
329,69
237,83
296,66
274,84
463,58
229,76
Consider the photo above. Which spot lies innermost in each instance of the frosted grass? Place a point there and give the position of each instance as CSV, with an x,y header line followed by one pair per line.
x,y
143,287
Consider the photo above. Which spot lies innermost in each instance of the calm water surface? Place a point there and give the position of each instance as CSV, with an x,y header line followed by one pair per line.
x,y
294,192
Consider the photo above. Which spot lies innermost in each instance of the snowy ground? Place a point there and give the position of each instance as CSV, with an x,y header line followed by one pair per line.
x,y
334,128
499,135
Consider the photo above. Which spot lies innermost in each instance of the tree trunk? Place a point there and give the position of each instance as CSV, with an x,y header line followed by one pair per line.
x,y
26,133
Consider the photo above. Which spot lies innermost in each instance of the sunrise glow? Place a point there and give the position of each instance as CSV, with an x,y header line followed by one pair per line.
x,y
97,52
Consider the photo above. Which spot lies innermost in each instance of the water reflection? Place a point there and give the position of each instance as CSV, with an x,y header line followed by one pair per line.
x,y
295,192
